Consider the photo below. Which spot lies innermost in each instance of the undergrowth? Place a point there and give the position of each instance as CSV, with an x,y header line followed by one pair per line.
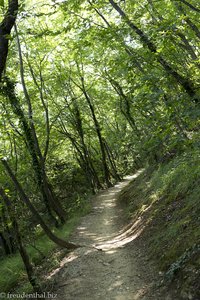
x,y
13,274
167,196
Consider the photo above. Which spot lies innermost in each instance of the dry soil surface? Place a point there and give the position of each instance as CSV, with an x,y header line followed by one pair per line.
x,y
120,270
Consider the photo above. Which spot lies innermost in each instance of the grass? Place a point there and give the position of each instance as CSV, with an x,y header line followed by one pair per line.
x,y
13,275
172,237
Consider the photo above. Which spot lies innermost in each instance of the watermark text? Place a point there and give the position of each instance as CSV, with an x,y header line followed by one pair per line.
x,y
36,295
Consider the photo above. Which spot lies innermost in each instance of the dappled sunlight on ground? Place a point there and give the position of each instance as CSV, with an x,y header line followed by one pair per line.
x,y
123,239
113,272
63,262
105,228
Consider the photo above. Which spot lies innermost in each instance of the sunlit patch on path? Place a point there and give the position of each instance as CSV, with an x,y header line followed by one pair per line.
x,y
116,272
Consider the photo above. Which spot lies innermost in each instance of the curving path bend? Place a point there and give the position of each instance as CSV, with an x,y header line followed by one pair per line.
x,y
120,271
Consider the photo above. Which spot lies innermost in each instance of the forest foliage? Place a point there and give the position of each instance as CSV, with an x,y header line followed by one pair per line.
x,y
89,91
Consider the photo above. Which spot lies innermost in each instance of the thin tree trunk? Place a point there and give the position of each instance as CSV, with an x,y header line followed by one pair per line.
x,y
124,105
51,203
194,28
119,38
83,161
47,192
20,245
194,8
186,45
112,162
45,106
87,159
98,131
24,198
180,79
5,244
8,232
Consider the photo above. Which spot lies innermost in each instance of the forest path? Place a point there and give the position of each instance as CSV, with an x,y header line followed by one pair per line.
x,y
120,271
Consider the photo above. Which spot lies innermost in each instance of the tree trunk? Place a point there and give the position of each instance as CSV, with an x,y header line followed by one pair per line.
x,y
180,79
111,159
25,258
124,105
194,28
194,8
5,29
8,233
48,196
52,205
98,131
31,207
5,244
20,245
88,165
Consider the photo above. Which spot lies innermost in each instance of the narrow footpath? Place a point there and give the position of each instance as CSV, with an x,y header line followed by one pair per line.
x,y
120,270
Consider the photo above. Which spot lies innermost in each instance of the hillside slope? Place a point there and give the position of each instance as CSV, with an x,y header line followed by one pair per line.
x,y
166,198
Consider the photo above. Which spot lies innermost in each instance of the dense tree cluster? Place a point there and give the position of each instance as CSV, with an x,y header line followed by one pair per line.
x,y
90,91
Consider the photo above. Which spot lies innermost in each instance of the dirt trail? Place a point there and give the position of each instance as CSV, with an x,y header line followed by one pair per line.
x,y
120,271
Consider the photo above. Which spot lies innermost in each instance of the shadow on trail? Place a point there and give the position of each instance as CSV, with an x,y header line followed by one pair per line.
x,y
119,271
